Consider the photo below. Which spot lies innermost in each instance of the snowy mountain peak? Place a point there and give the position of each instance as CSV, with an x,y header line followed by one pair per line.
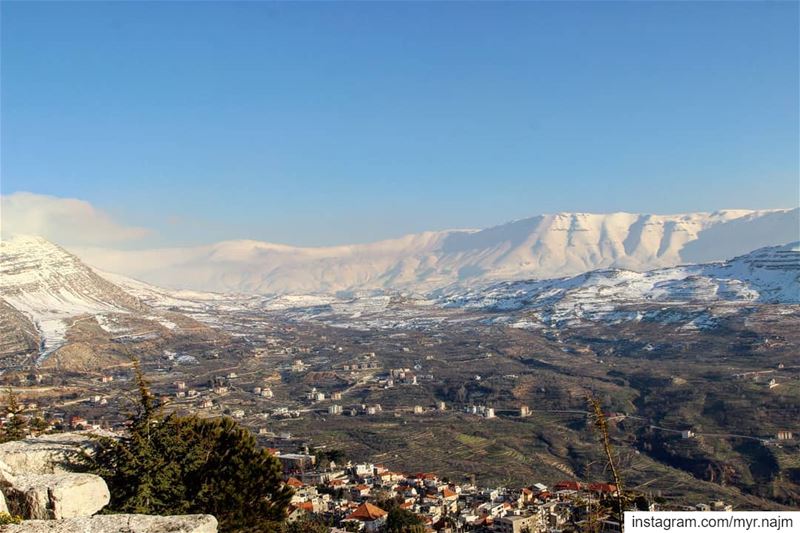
x,y
33,265
49,285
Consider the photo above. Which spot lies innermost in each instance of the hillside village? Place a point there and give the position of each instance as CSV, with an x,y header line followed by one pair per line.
x,y
350,496
333,497
359,496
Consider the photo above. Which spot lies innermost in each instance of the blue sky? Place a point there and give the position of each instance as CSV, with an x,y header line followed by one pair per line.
x,y
326,123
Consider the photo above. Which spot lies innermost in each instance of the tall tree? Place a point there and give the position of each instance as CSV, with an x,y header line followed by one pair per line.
x,y
177,465
16,427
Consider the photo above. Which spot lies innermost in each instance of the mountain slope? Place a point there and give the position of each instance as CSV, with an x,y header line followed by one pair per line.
x,y
46,295
18,335
767,275
50,285
159,297
541,247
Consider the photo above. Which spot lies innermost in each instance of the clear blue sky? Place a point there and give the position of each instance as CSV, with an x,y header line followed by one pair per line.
x,y
323,123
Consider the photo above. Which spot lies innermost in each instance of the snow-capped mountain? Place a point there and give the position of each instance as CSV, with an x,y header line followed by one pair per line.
x,y
44,290
161,298
767,275
541,247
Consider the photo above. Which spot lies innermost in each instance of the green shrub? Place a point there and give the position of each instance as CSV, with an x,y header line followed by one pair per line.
x,y
6,519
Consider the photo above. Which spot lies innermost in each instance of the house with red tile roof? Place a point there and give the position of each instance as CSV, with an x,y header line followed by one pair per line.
x,y
568,485
603,488
294,483
360,491
371,516
297,511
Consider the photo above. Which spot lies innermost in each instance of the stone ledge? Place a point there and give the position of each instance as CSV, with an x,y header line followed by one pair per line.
x,y
56,496
119,523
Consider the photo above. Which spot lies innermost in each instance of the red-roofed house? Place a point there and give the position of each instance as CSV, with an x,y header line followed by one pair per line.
x,y
526,496
568,485
388,476
306,506
371,516
603,488
294,483
360,491
297,511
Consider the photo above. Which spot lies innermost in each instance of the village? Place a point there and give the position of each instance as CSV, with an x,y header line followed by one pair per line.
x,y
359,496
350,496
277,385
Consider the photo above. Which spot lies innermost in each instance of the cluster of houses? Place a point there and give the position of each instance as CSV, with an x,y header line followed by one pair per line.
x,y
402,376
355,410
361,365
352,496
359,497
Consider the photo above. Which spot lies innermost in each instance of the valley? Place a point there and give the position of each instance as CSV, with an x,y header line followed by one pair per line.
x,y
698,383
399,267
696,367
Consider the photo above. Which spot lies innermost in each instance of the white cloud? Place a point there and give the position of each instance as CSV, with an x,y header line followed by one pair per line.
x,y
66,221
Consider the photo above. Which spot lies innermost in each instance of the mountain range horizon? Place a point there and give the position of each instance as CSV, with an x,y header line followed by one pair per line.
x,y
538,247
43,288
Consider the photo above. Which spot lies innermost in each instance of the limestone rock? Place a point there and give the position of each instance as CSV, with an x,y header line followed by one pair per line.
x,y
127,523
46,454
7,477
56,496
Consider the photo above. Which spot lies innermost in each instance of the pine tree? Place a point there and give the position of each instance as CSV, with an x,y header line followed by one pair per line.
x,y
38,425
16,427
178,465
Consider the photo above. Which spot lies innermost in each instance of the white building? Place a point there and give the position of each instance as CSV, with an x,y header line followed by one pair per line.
x,y
517,524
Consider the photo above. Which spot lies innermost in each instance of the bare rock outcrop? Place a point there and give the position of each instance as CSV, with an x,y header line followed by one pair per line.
x,y
36,484
3,505
56,496
46,454
116,523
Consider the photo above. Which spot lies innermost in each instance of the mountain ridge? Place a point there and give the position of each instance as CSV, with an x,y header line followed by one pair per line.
x,y
44,289
766,275
539,247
